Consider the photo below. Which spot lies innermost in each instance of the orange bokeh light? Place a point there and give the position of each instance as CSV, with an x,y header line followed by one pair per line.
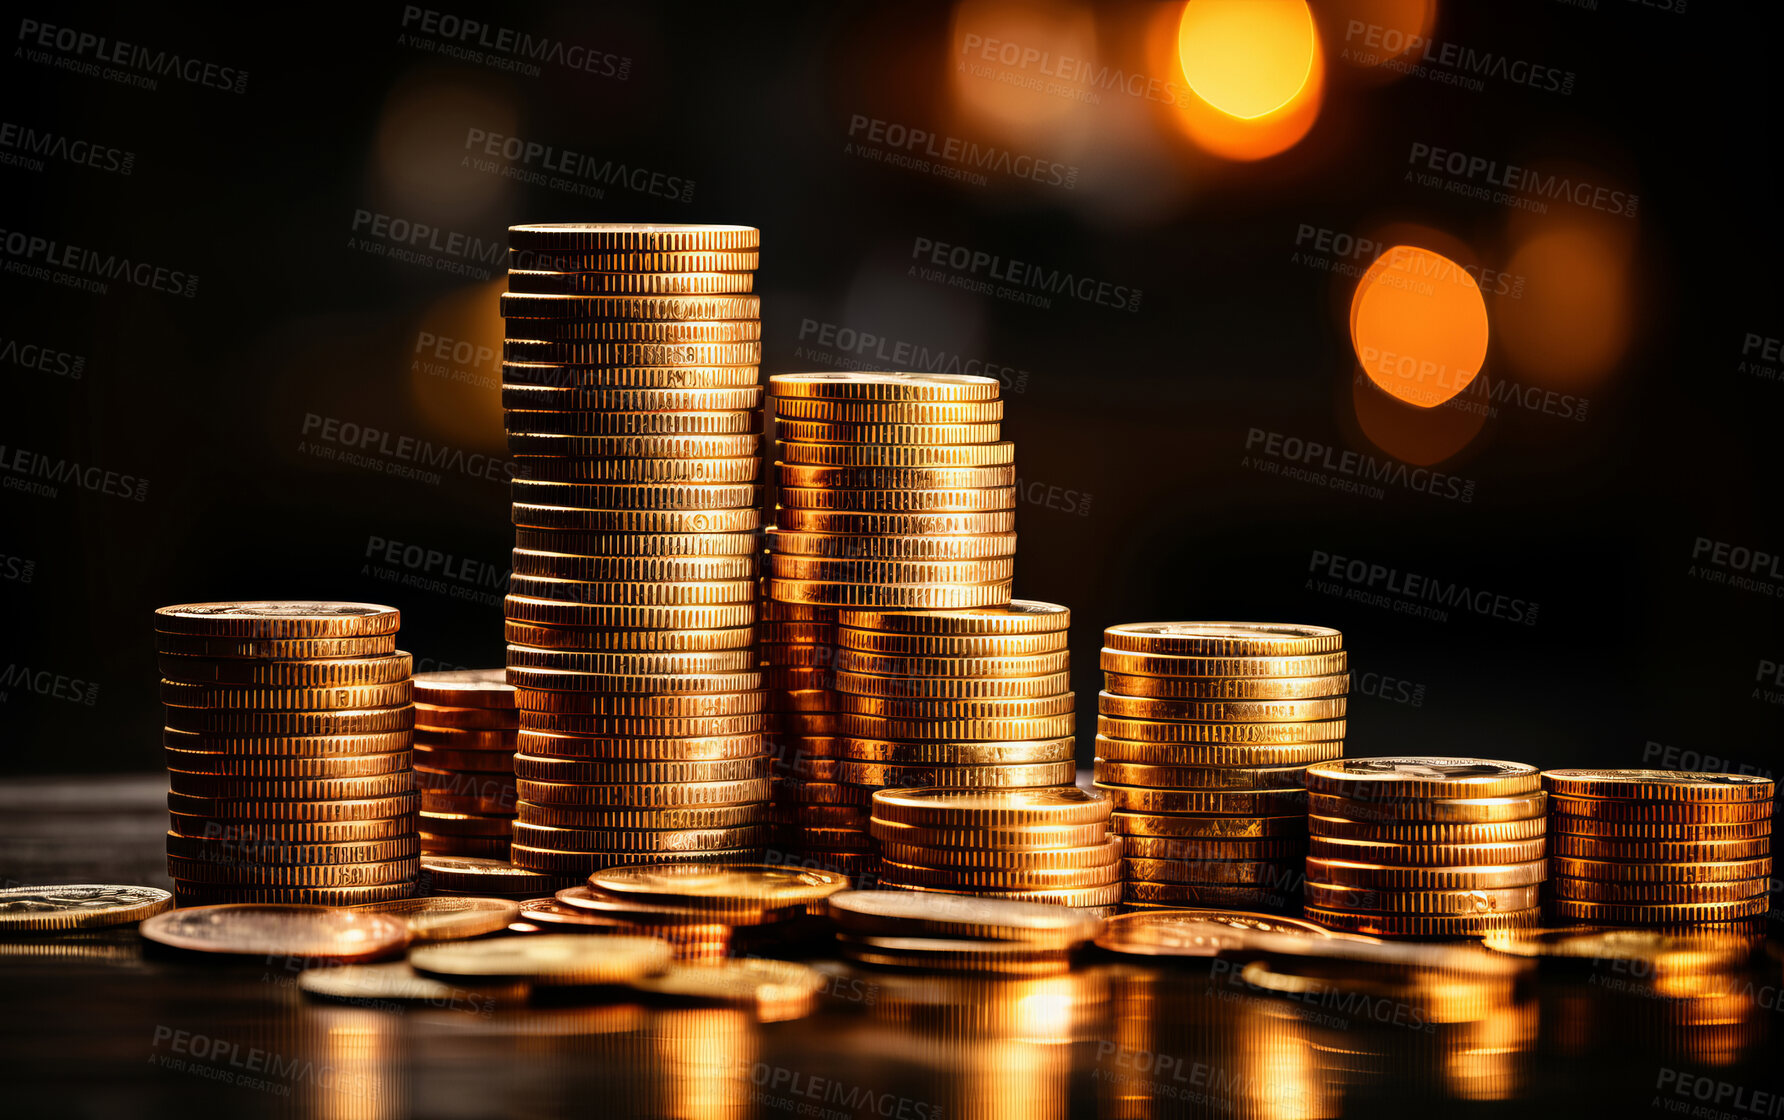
x,y
1418,325
1570,325
1247,58
455,366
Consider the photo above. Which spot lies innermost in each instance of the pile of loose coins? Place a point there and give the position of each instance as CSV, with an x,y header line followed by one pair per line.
x,y
633,409
1425,847
465,729
1658,847
287,741
1021,845
1202,736
955,933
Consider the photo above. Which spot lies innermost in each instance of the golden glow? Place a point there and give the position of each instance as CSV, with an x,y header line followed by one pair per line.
x,y
1247,58
1378,32
454,358
1418,325
1218,130
1013,66
1570,323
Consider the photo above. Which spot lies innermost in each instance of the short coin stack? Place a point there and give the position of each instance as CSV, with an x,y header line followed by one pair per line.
x,y
1202,736
1020,845
287,741
634,415
1658,847
465,728
1425,847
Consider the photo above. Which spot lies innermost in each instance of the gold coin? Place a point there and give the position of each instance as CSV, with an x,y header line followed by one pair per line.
x,y
795,634
256,832
549,612
1011,776
850,661
632,663
1186,848
1177,826
1216,754
1228,872
943,808
927,435
1227,688
1103,853
939,596
1161,665
553,398
1197,777
78,906
632,353
1680,812
1659,830
1620,913
609,818
1600,890
1416,832
1196,933
1693,952
967,754
550,960
559,257
883,386
395,982
882,412
1417,776
649,771
712,748
927,914
1430,902
569,866
1009,879
950,645
287,769
1661,785
1449,810
1017,617
274,649
464,824
569,638
1177,731
257,811
290,789
464,688
1695,871
640,446
824,453
1426,855
589,332
1230,711
776,990
631,237
482,877
188,694
278,619
720,887
630,377
1659,851
975,687
892,571
632,569
968,730
652,694
852,523
895,478
189,895
519,304
647,842
1255,803
237,725
1420,925
643,727
486,847
290,931
922,708
843,546
1223,639
472,723
286,673
547,468
1177,895
636,495
639,795
236,870
933,954
543,279
644,427
603,594
1014,837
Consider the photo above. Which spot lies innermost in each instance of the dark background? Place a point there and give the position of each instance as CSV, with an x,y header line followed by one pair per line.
x,y
1132,427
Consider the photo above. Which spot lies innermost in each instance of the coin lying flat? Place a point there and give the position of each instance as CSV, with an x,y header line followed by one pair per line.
x,y
646,912
935,954
1659,785
777,990
952,808
546,959
1196,933
720,887
1422,776
278,619
1223,639
78,906
251,929
1662,952
910,913
395,981
448,918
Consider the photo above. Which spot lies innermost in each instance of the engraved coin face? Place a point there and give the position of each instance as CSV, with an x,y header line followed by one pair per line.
x,y
279,618
287,930
1423,776
1195,933
876,377
448,918
779,990
79,906
1684,785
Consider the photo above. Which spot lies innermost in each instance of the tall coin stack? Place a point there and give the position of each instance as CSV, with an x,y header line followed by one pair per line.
x,y
465,731
797,646
287,741
1425,847
1021,845
1658,847
1203,732
634,415
896,491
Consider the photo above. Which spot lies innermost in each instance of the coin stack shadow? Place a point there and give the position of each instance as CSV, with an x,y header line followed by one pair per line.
x,y
1050,845
633,404
895,492
465,729
1425,847
287,739
1658,847
1203,732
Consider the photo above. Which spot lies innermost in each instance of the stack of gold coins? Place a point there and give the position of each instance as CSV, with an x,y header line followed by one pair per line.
x,y
634,415
465,729
287,740
1425,847
897,492
1202,736
1658,847
1021,845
